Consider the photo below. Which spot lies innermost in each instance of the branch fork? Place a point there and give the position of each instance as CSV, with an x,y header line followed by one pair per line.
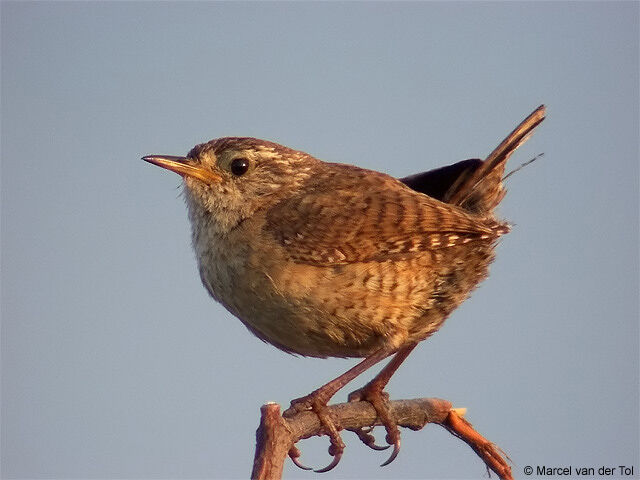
x,y
276,436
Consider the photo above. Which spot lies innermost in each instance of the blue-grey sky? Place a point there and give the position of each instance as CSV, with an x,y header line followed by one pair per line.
x,y
117,364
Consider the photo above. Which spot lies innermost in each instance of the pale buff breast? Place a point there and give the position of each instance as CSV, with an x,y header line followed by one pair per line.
x,y
342,310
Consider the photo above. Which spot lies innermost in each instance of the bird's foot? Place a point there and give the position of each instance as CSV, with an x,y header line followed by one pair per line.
x,y
316,402
374,394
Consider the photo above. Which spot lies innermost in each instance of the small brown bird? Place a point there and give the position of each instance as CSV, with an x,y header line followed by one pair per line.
x,y
331,260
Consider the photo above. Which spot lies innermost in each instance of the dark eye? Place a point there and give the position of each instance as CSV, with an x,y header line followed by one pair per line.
x,y
239,166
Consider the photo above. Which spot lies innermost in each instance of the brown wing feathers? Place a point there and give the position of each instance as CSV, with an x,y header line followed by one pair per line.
x,y
375,219
356,215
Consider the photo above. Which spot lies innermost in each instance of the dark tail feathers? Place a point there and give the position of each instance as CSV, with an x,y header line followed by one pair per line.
x,y
476,185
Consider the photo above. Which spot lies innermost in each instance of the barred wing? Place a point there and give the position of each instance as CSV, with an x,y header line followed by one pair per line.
x,y
350,215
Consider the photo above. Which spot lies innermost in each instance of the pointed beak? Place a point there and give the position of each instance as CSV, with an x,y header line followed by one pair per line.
x,y
181,167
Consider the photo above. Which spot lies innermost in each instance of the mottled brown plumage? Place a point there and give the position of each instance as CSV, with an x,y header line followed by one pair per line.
x,y
325,259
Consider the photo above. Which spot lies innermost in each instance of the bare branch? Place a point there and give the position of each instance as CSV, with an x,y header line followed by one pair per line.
x,y
276,436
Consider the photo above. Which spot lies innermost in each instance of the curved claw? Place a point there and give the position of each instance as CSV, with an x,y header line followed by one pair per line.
x,y
331,466
297,463
369,440
294,453
379,448
394,454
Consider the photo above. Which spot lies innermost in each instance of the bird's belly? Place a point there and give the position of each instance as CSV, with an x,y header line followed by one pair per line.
x,y
290,320
298,308
342,311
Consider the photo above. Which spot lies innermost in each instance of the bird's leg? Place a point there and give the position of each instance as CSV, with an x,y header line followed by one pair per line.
x,y
317,401
373,392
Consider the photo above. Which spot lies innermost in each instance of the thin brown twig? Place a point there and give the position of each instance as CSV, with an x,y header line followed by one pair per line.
x,y
276,436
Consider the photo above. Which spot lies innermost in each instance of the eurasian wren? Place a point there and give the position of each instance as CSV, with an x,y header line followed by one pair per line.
x,y
331,260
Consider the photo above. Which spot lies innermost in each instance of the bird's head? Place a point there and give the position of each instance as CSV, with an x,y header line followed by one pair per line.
x,y
229,179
